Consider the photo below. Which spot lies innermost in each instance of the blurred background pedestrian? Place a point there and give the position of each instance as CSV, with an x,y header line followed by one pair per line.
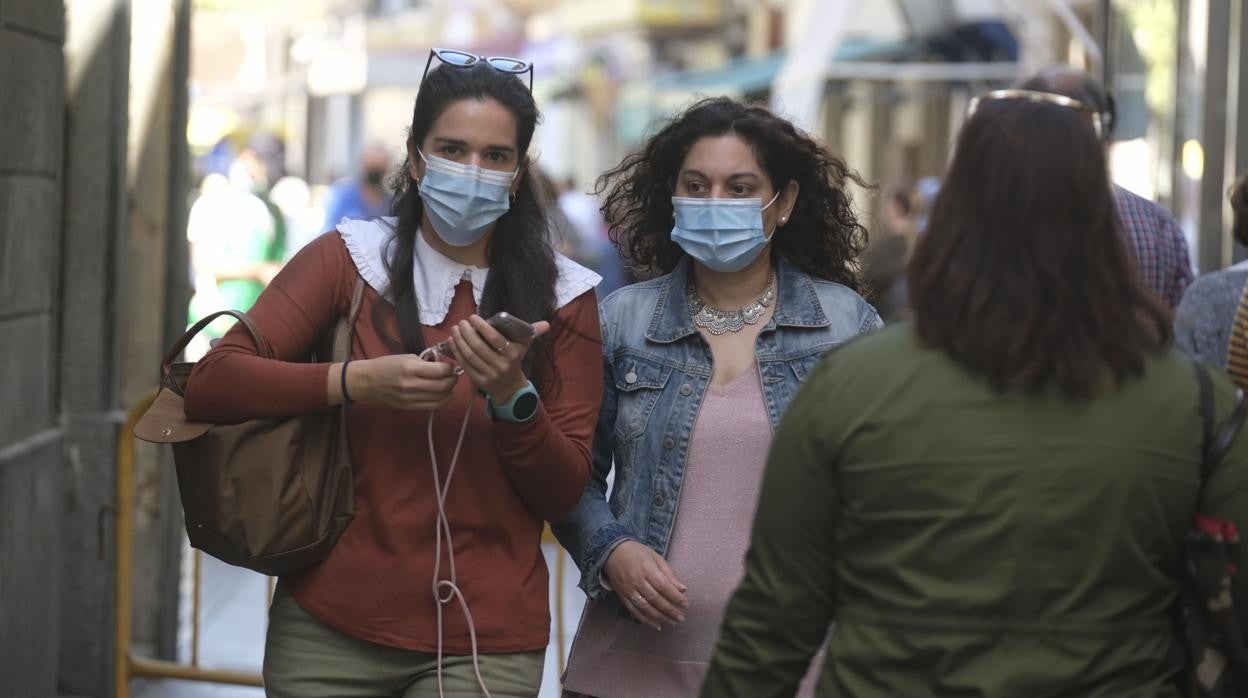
x,y
1204,320
884,260
363,196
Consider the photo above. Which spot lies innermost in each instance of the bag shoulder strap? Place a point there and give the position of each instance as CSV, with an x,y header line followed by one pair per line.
x,y
1207,415
344,331
1216,440
166,365
357,300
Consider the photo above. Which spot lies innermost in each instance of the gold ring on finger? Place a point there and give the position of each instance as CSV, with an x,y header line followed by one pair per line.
x,y
637,599
502,348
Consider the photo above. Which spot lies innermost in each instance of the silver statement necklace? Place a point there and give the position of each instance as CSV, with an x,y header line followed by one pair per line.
x,y
717,321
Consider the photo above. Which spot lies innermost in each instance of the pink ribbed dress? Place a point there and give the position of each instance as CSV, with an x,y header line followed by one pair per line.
x,y
615,658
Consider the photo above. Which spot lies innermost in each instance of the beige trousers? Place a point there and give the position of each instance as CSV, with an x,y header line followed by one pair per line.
x,y
304,658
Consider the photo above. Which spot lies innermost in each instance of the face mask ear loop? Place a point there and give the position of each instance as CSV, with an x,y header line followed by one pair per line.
x,y
773,200
446,590
777,226
514,192
417,181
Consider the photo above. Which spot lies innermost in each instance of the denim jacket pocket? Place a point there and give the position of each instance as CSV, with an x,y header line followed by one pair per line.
x,y
639,383
804,363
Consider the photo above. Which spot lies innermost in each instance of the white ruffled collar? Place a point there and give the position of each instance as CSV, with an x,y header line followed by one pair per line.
x,y
435,275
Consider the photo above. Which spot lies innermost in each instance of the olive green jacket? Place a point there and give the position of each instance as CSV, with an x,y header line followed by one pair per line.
x,y
962,542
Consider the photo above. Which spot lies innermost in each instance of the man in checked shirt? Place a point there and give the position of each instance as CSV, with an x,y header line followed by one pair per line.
x,y
1155,239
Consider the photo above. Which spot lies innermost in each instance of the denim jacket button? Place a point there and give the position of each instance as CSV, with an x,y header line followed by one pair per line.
x,y
658,500
669,443
630,377
686,390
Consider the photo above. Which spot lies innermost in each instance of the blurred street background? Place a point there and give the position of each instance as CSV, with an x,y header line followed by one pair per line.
x,y
160,159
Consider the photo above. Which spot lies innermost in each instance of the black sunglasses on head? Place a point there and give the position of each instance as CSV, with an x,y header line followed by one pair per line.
x,y
462,59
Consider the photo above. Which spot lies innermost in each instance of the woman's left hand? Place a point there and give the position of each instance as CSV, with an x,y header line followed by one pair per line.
x,y
491,361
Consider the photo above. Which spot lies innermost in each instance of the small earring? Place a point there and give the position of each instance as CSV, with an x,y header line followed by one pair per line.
x,y
784,219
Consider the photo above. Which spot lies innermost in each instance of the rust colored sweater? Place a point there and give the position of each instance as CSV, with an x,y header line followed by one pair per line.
x,y
376,583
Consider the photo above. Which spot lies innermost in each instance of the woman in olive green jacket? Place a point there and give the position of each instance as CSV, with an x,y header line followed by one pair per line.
x,y
991,501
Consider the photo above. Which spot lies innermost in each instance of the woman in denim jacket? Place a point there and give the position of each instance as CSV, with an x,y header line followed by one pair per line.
x,y
749,224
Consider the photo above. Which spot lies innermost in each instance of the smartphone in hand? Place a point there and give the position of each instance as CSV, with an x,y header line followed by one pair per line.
x,y
508,325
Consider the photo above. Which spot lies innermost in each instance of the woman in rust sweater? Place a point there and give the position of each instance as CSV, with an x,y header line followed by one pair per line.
x,y
468,240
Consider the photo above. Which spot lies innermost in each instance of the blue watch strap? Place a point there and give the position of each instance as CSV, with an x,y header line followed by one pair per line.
x,y
519,409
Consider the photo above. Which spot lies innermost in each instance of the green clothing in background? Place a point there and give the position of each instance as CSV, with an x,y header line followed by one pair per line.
x,y
256,237
228,227
966,543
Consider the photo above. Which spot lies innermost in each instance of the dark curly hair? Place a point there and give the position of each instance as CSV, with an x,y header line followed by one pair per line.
x,y
823,236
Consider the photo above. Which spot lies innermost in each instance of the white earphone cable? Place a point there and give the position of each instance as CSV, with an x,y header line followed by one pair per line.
x,y
446,590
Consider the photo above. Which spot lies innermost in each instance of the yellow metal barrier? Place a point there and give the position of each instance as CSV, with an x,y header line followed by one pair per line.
x,y
127,666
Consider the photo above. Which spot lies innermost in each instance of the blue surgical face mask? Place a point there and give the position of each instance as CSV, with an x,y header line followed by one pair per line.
x,y
463,201
725,235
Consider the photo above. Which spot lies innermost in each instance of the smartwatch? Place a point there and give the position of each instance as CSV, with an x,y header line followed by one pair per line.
x,y
519,409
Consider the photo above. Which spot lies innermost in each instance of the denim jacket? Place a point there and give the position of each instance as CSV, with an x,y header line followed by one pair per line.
x,y
656,370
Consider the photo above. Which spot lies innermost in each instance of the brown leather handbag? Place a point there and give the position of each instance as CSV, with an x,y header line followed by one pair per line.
x,y
271,495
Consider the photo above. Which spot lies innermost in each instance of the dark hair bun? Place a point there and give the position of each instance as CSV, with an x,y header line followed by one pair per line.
x,y
1239,207
1239,195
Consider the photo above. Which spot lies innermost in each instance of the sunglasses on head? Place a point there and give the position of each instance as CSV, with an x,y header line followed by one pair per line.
x,y
462,59
1034,96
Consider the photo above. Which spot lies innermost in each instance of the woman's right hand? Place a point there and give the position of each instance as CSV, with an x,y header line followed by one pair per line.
x,y
404,381
646,585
